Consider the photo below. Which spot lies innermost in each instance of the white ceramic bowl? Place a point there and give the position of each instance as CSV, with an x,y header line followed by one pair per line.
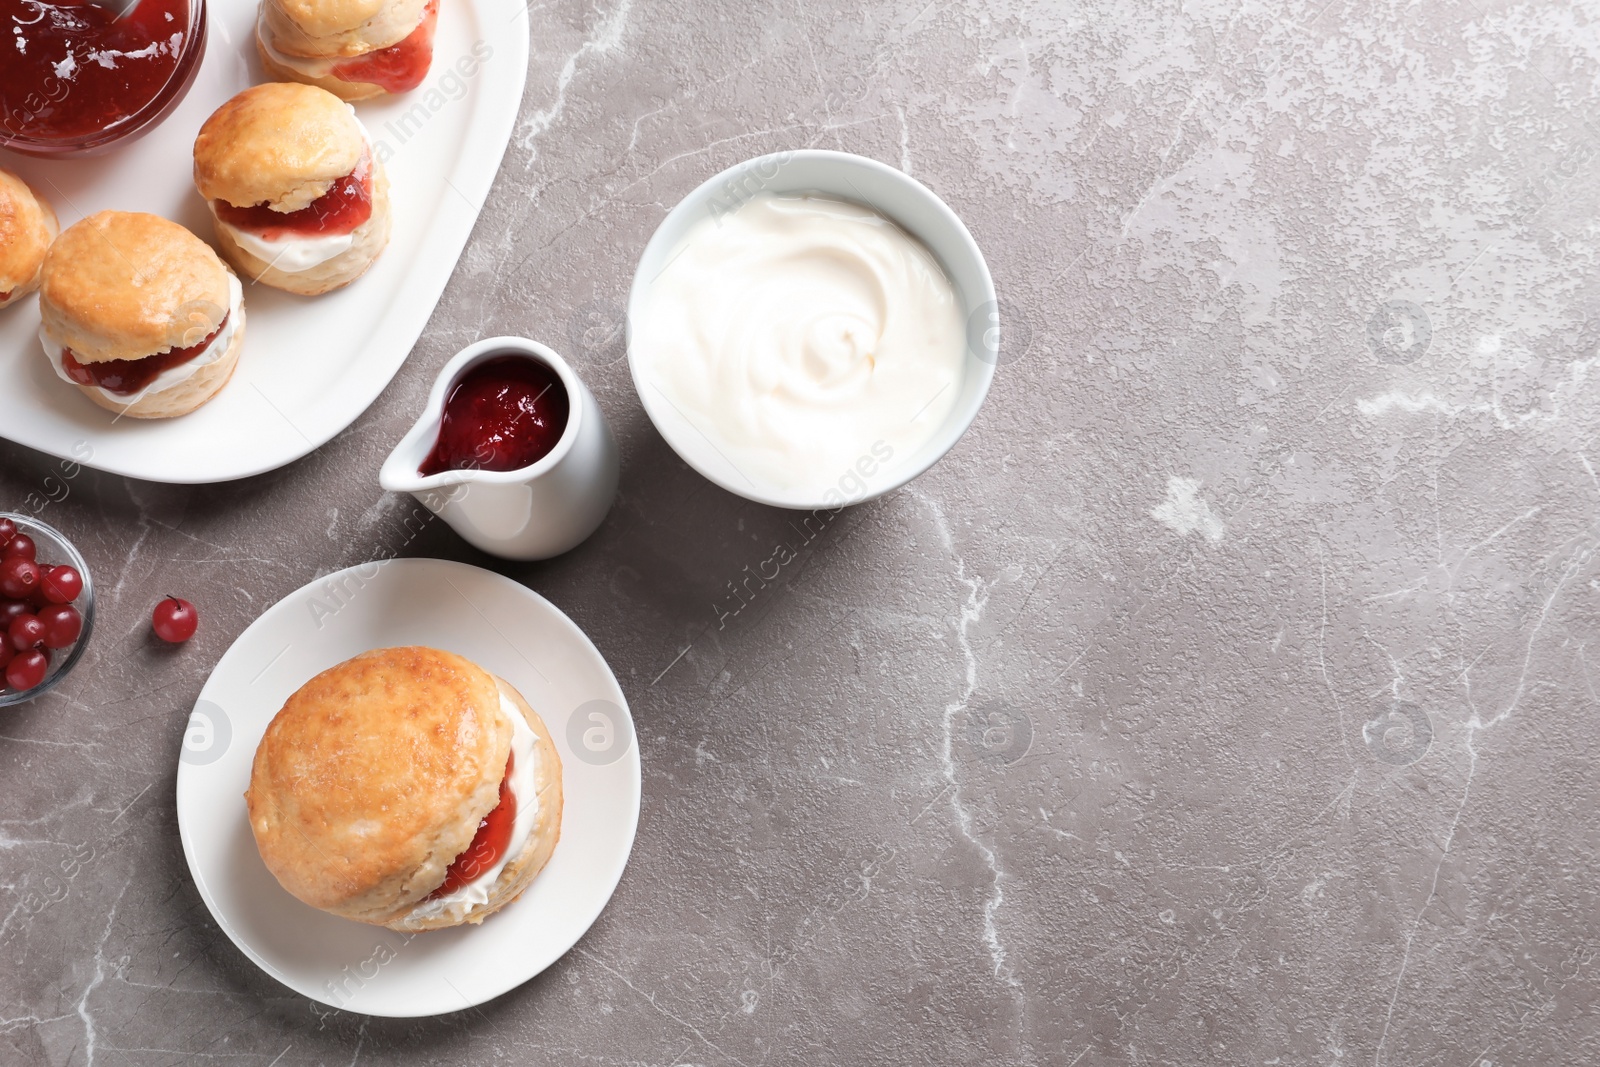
x,y
891,193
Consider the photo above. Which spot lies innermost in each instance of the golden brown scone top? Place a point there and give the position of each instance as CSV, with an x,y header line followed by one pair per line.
x,y
27,226
374,776
125,285
283,144
320,18
338,28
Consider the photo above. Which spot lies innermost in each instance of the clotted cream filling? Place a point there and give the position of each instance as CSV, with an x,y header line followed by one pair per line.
x,y
293,255
525,787
172,375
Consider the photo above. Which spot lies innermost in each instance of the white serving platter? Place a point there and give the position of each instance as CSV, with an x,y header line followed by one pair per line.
x,y
508,630
310,366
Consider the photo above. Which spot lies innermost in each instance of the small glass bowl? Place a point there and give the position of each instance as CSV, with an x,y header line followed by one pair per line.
x,y
55,549
13,128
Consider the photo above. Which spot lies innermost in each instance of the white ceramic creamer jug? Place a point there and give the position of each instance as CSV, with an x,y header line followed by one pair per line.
x,y
534,512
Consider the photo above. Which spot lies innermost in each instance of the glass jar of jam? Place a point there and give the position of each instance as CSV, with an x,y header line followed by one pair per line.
x,y
79,78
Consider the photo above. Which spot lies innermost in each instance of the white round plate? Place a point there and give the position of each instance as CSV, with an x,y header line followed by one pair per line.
x,y
309,367
510,631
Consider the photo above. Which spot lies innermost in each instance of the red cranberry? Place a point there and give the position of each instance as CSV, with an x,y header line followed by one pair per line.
x,y
175,620
10,609
61,585
26,631
20,545
18,577
62,625
27,669
8,530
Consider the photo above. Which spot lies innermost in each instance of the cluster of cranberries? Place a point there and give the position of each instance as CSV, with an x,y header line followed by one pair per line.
x,y
36,612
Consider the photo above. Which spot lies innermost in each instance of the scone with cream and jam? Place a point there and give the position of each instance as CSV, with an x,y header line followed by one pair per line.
x,y
299,199
406,787
355,49
139,314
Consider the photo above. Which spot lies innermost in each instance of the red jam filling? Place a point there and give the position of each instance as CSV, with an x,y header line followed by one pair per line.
x,y
400,67
488,844
339,210
504,414
73,68
127,376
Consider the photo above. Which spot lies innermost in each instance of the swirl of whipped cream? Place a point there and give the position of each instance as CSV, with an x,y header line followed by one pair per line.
x,y
798,332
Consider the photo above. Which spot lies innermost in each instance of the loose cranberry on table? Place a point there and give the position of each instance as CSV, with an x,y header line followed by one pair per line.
x,y
19,576
175,620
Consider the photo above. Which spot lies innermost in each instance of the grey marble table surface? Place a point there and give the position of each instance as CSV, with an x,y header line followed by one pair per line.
x,y
1223,698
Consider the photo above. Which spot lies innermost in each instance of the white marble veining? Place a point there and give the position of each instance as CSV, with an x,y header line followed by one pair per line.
x,y
1223,698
